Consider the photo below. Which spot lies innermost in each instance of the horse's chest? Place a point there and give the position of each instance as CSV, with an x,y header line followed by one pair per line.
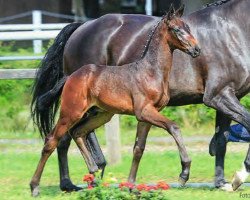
x,y
159,95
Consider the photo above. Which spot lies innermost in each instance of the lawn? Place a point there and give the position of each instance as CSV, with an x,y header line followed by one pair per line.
x,y
18,163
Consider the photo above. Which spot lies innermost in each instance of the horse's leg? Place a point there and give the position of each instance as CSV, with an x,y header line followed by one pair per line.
x,y
221,127
96,152
80,132
241,176
140,141
81,143
227,103
150,115
62,150
72,110
51,143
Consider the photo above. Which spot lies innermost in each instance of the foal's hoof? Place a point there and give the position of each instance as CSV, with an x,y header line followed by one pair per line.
x,y
34,191
236,182
226,187
67,186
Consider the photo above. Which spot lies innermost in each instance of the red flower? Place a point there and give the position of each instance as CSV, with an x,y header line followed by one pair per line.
x,y
90,187
141,187
126,185
89,178
162,185
151,187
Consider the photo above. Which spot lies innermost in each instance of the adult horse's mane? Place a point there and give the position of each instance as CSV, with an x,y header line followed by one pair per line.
x,y
217,3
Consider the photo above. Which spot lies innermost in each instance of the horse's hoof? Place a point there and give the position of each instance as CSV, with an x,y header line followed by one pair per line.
x,y
236,182
182,181
35,191
67,186
226,187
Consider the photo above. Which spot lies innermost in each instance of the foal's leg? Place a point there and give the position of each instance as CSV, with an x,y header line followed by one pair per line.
x,y
80,133
62,150
140,141
151,115
81,143
73,108
96,152
51,143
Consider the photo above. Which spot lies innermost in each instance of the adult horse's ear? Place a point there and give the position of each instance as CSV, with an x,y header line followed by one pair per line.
x,y
180,11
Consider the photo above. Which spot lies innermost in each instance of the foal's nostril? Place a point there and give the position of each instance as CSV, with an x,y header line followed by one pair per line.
x,y
197,49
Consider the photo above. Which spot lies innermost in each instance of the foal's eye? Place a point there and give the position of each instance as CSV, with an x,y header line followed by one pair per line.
x,y
176,30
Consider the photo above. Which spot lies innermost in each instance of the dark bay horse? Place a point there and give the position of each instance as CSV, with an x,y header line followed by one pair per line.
x,y
140,88
218,78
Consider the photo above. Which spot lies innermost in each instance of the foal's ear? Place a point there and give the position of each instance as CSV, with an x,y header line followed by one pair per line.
x,y
170,13
180,11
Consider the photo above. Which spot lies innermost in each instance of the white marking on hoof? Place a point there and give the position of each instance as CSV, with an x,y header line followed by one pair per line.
x,y
226,187
35,192
239,177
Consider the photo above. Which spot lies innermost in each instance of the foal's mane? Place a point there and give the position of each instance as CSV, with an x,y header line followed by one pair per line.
x,y
217,3
150,35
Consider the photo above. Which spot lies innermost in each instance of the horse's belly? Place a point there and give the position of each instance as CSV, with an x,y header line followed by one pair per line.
x,y
186,82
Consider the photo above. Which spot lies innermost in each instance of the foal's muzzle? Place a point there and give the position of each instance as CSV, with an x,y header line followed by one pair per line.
x,y
194,51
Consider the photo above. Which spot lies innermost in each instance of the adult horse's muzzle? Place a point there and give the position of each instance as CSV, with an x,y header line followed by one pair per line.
x,y
194,51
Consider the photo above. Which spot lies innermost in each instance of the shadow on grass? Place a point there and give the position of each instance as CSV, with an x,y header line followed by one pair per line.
x,y
52,190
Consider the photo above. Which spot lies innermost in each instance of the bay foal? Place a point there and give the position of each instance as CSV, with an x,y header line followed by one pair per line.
x,y
140,89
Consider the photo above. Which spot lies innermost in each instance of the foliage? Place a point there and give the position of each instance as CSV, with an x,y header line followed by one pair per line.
x,y
15,95
125,191
104,193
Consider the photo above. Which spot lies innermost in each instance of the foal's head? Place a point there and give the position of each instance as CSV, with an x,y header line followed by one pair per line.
x,y
180,36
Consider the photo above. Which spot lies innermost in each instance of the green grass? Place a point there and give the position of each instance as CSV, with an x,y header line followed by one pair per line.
x,y
18,163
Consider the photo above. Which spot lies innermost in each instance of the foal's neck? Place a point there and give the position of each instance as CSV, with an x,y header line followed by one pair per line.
x,y
159,54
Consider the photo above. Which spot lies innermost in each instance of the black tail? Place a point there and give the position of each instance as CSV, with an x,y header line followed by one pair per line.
x,y
50,72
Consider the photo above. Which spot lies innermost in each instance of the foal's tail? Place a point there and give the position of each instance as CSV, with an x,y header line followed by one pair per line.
x,y
45,101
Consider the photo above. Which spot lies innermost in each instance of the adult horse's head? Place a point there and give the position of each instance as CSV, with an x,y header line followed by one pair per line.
x,y
180,34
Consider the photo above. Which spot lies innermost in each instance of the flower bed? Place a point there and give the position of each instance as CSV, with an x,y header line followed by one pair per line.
x,y
100,190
